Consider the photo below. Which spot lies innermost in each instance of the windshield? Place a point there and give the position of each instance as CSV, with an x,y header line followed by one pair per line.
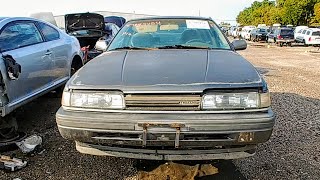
x,y
175,33
287,31
262,30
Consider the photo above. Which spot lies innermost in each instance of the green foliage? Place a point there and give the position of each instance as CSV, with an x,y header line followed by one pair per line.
x,y
295,12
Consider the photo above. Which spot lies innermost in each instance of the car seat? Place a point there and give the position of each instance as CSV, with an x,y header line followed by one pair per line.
x,y
188,35
142,40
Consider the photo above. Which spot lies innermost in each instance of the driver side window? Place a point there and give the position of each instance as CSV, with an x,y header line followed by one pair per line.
x,y
19,34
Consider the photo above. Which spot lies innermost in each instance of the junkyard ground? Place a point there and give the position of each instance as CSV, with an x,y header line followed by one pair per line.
x,y
293,152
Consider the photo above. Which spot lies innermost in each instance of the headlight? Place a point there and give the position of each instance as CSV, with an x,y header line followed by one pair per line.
x,y
235,100
98,100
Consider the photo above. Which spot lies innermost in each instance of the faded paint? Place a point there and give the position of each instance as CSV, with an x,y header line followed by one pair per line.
x,y
167,70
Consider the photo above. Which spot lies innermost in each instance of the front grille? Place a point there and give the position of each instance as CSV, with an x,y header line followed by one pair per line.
x,y
160,102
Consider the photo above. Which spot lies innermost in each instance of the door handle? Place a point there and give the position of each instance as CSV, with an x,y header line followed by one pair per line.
x,y
48,53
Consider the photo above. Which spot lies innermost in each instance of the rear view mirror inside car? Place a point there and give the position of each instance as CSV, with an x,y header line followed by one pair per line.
x,y
169,27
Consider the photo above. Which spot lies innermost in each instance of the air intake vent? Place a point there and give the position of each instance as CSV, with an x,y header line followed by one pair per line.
x,y
163,102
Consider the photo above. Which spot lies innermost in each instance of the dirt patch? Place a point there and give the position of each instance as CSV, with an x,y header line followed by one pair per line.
x,y
174,171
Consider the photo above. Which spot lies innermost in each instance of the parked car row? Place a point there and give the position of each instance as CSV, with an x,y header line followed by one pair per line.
x,y
277,34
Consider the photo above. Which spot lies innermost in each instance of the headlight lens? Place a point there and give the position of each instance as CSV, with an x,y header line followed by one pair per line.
x,y
98,100
235,100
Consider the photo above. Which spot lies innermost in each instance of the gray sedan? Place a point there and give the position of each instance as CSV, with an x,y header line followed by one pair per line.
x,y
168,88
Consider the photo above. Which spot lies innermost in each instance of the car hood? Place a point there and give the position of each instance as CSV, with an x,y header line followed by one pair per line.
x,y
83,21
166,70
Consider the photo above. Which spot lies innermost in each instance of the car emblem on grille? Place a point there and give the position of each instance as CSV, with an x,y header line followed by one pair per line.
x,y
187,102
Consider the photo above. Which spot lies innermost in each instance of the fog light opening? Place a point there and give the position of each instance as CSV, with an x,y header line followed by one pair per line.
x,y
246,137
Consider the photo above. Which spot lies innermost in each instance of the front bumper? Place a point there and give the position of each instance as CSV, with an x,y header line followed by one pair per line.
x,y
167,136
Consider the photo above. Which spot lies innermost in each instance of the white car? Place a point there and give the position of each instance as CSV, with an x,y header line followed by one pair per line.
x,y
310,36
298,30
236,32
246,30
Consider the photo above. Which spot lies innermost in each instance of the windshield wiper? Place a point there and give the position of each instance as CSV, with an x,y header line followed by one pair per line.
x,y
183,47
131,48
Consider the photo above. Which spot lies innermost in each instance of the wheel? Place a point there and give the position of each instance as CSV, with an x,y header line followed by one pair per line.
x,y
8,128
76,65
281,44
289,44
250,39
304,43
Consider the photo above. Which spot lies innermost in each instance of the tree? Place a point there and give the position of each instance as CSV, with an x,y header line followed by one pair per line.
x,y
295,12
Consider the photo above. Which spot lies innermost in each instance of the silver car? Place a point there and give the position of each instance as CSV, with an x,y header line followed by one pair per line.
x,y
36,57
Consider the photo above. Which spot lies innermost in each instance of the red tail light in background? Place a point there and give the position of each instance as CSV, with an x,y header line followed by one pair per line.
x,y
279,37
309,38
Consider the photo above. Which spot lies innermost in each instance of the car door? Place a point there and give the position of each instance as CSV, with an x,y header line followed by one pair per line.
x,y
297,34
301,36
252,34
271,36
23,41
307,35
59,48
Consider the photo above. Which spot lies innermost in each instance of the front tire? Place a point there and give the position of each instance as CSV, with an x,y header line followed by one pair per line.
x,y
305,44
8,129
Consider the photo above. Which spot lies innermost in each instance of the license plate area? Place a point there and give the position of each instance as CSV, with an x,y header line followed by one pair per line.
x,y
150,128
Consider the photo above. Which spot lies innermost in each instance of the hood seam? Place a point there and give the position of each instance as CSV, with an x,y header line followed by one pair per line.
x,y
123,66
207,67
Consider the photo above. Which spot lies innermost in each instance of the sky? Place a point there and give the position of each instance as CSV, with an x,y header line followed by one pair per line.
x,y
217,9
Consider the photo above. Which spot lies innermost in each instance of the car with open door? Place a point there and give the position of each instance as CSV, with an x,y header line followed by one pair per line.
x,y
168,88
36,58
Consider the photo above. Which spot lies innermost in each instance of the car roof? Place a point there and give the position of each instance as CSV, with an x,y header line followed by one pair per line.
x,y
314,29
2,18
172,17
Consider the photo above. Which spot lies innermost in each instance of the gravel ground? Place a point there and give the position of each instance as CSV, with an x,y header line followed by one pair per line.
x,y
292,152
294,149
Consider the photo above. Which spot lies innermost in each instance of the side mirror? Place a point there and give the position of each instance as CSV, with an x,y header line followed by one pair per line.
x,y
239,45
